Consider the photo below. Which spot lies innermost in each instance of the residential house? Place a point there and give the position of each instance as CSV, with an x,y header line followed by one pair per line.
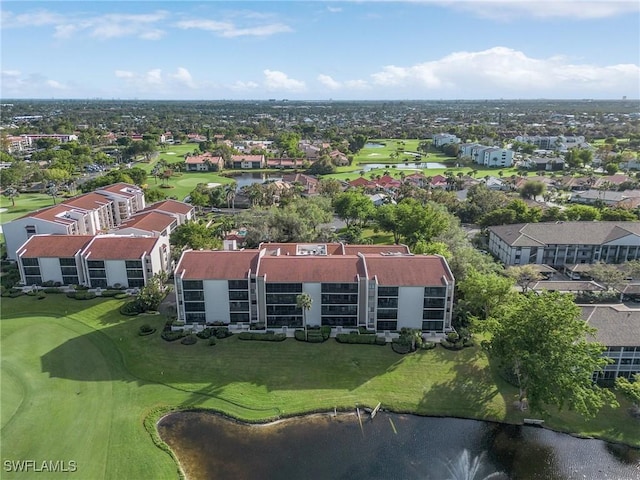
x,y
565,243
309,184
152,223
205,162
606,197
618,329
377,287
248,161
339,159
544,163
286,162
182,211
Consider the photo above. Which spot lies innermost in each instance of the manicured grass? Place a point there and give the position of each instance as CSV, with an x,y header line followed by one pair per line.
x,y
25,203
78,374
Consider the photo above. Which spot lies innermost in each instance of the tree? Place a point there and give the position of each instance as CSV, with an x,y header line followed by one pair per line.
x,y
329,187
12,193
524,275
304,302
485,293
193,235
353,207
606,274
532,189
631,390
541,340
52,191
152,293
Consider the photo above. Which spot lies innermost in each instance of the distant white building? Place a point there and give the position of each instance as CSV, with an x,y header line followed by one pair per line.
x,y
442,139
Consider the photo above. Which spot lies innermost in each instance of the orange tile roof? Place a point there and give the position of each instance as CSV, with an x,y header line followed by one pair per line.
x,y
55,214
298,269
407,270
171,206
354,249
149,221
108,247
217,264
88,201
54,245
122,189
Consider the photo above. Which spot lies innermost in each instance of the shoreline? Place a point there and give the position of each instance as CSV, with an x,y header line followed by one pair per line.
x,y
339,415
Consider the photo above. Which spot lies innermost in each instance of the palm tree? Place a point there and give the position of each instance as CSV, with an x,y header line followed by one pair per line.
x,y
12,193
230,194
304,302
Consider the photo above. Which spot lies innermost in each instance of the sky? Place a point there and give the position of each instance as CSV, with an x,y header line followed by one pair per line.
x,y
320,50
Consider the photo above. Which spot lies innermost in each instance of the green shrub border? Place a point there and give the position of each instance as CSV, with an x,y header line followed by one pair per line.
x,y
265,337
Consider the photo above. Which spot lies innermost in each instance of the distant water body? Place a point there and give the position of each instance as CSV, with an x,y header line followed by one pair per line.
x,y
391,446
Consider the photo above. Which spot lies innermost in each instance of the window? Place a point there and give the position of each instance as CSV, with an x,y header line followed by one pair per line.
x,y
239,317
30,230
197,317
68,262
387,291
433,314
30,262
194,306
339,288
238,306
282,298
431,325
339,299
30,280
32,270
193,295
387,314
284,288
434,303
283,310
339,310
435,291
135,282
339,321
238,295
70,280
95,264
284,321
192,285
387,303
133,264
387,325
238,284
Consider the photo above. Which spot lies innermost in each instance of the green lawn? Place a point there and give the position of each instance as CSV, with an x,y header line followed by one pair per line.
x,y
78,383
25,203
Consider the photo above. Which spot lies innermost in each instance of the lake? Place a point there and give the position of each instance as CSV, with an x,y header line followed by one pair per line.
x,y
391,446
247,178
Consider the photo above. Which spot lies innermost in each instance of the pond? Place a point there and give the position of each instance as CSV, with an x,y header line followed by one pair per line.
x,y
373,145
391,446
248,178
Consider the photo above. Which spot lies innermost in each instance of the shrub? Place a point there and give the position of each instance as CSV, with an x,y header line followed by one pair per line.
x,y
428,345
171,336
400,347
354,338
212,341
189,340
258,326
265,337
120,296
52,290
41,295
299,335
110,293
146,329
315,337
131,309
15,293
81,295
451,346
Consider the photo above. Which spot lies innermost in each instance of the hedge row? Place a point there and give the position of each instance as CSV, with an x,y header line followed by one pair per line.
x,y
360,339
81,295
266,337
170,336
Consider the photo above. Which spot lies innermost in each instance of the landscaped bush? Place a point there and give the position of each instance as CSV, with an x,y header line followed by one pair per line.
x,y
41,295
131,309
80,287
217,332
452,346
212,341
110,293
146,329
400,347
190,339
257,326
81,295
354,338
313,335
121,295
428,345
15,293
265,337
52,290
171,336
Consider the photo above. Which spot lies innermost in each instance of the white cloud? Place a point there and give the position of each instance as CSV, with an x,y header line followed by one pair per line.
x,y
275,80
240,86
334,9
228,29
502,69
124,74
154,77
184,77
15,82
329,82
572,9
111,25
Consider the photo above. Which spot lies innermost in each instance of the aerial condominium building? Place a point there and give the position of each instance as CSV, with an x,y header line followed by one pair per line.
x,y
382,288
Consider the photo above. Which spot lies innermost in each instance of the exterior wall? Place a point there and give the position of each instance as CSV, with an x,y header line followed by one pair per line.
x,y
15,233
410,307
50,270
216,300
314,317
116,272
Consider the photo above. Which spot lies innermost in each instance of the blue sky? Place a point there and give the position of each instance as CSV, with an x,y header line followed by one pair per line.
x,y
318,50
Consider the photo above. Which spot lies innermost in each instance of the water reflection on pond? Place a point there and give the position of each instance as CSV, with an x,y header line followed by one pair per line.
x,y
389,447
